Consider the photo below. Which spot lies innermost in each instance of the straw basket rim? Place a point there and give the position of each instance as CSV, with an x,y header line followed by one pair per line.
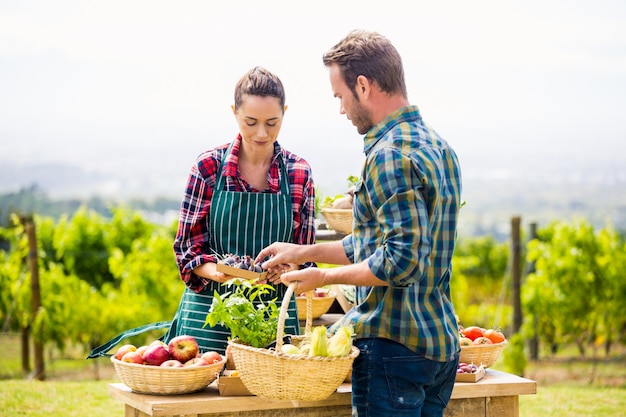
x,y
335,210
485,355
285,380
320,305
339,220
150,379
274,353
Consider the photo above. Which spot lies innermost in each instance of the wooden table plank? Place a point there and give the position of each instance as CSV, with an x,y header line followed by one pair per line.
x,y
209,399
496,393
495,384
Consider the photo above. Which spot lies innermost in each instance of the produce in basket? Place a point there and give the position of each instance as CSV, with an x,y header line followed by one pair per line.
x,y
183,348
317,343
322,301
481,336
466,368
240,266
342,203
242,311
481,346
124,349
469,372
345,200
244,262
181,351
156,354
151,374
293,377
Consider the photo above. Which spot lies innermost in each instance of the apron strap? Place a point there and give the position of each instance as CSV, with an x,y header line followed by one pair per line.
x,y
103,349
284,178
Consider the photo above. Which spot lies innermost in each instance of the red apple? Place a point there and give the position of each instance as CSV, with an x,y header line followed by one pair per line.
x,y
156,354
159,342
321,292
212,357
123,350
182,348
142,349
197,361
132,357
172,363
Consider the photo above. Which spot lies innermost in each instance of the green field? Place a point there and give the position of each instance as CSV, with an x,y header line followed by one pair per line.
x,y
566,386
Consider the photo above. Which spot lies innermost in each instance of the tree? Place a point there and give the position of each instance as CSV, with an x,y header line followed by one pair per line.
x,y
573,295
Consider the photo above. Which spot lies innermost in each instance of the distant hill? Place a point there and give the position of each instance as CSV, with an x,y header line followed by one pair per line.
x,y
491,200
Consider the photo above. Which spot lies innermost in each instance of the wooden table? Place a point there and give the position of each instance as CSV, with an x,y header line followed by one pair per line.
x,y
496,395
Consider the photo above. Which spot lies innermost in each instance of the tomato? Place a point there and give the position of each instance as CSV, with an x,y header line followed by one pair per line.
x,y
465,341
473,332
482,341
494,335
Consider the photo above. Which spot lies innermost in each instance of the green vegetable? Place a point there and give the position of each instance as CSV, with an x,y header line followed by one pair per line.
x,y
241,310
290,349
340,343
319,342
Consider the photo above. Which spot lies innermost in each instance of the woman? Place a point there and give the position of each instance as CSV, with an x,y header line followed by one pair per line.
x,y
240,197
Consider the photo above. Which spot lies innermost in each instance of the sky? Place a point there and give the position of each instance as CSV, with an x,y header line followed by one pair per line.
x,y
128,93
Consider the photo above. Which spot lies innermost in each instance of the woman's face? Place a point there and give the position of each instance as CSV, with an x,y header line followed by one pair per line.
x,y
259,119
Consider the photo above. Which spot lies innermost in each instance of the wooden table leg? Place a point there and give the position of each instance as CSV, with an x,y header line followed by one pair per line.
x,y
463,407
503,406
133,412
507,406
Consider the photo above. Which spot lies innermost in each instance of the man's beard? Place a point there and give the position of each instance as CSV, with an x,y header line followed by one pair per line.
x,y
362,119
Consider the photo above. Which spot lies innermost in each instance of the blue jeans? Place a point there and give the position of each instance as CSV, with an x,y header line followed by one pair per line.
x,y
389,380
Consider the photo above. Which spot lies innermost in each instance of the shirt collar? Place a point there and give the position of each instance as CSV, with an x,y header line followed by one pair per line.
x,y
232,160
402,115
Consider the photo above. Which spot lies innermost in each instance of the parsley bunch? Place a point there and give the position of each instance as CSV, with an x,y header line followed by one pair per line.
x,y
242,310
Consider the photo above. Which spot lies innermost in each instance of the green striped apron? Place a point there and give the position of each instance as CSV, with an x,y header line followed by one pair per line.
x,y
241,223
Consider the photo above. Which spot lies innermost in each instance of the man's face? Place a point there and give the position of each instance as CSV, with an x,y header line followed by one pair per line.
x,y
350,105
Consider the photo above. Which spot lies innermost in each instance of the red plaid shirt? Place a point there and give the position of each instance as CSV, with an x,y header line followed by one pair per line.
x,y
190,246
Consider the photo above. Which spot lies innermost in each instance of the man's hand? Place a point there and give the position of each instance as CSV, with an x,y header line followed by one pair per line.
x,y
280,254
308,279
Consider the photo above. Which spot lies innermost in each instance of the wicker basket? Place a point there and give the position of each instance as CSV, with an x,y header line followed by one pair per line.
x,y
340,220
272,374
147,379
320,305
486,355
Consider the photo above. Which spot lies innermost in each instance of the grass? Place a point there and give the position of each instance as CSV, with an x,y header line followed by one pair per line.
x,y
570,386
58,398
561,400
567,386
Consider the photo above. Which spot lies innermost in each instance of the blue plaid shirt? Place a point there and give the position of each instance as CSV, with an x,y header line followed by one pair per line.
x,y
405,217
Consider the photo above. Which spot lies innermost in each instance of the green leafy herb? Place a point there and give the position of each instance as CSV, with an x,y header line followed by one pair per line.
x,y
243,311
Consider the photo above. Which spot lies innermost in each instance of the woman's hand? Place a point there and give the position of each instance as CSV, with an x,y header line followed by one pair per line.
x,y
274,273
209,271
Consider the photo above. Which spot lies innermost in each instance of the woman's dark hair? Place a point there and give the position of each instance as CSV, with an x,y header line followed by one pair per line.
x,y
259,82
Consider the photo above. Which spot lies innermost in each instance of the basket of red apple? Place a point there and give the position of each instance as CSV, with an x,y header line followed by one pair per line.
x,y
321,302
481,346
174,368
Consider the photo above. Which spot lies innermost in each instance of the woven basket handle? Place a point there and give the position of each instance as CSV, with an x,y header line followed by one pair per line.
x,y
283,314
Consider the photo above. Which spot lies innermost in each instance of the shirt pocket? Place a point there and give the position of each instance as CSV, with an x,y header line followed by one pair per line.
x,y
361,205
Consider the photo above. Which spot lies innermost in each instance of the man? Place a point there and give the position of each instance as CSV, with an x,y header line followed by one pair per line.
x,y
399,255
